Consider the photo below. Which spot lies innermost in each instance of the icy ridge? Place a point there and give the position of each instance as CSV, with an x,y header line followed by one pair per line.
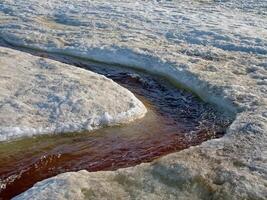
x,y
40,96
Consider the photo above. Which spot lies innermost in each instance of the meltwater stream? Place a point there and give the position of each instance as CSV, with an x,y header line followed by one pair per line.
x,y
176,120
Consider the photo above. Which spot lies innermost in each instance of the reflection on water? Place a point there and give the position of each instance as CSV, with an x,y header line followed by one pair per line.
x,y
176,119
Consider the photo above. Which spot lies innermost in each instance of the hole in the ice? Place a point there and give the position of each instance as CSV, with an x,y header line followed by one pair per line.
x,y
176,120
64,19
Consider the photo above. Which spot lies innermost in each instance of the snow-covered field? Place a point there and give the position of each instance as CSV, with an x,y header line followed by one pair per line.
x,y
218,49
184,40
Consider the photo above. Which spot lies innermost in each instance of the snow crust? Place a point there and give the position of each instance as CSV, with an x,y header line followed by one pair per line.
x,y
40,96
171,38
218,49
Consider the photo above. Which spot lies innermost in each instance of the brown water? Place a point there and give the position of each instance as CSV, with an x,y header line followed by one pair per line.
x,y
176,119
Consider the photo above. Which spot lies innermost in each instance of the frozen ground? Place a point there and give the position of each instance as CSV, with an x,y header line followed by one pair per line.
x,y
218,49
40,96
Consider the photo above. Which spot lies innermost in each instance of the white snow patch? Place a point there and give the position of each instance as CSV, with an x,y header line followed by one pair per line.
x,y
40,96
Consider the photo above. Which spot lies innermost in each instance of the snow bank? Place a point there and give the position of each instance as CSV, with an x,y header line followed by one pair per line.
x,y
40,96
216,48
174,39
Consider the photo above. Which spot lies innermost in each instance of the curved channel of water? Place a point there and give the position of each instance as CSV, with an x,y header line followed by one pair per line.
x,y
176,119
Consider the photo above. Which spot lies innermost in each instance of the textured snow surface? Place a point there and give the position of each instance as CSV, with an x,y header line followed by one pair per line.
x,y
218,49
39,96
184,40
